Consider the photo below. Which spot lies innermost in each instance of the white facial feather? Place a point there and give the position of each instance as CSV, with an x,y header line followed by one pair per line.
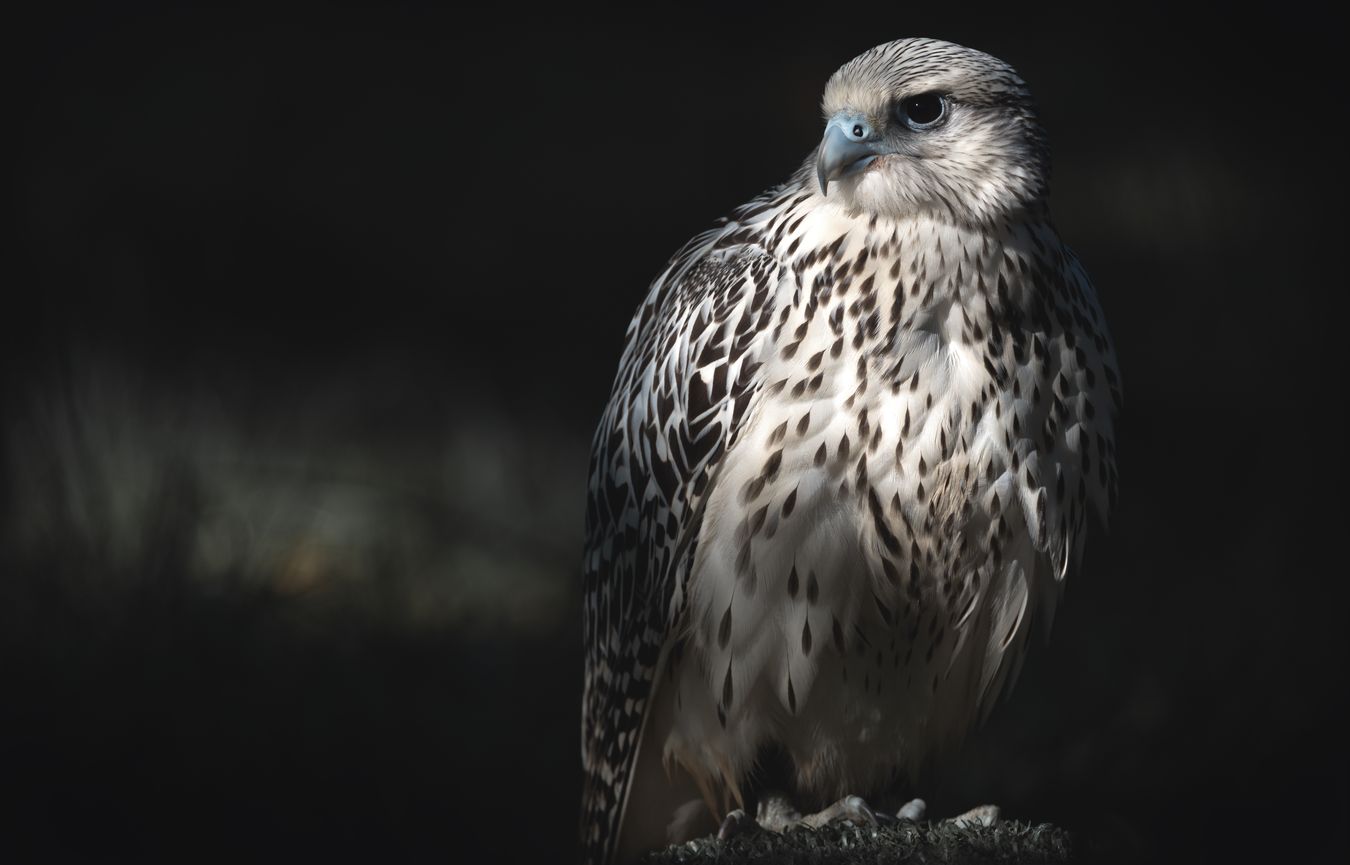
x,y
986,162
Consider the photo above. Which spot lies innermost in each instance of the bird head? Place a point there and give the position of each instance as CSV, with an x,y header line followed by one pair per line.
x,y
919,126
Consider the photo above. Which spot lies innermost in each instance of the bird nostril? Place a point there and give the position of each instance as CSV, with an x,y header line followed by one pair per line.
x,y
857,130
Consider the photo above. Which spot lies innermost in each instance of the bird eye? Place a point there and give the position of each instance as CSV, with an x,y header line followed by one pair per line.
x,y
922,111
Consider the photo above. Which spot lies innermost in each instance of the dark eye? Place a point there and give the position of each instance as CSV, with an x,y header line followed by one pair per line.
x,y
922,111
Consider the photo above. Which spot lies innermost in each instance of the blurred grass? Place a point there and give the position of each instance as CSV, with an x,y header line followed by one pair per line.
x,y
326,489
222,641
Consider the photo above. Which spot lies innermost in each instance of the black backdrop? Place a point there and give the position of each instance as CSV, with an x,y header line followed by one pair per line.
x,y
310,315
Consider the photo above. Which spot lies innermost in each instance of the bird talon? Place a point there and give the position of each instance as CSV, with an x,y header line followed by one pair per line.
x,y
736,823
862,812
914,810
983,815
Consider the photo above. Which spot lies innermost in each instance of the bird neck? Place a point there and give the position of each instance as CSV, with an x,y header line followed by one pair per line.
x,y
923,270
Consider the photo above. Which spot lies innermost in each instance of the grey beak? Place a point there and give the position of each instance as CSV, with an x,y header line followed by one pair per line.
x,y
849,145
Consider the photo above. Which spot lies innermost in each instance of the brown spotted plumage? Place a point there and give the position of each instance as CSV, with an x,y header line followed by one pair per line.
x,y
853,442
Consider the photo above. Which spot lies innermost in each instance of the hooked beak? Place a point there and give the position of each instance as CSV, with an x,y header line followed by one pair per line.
x,y
849,146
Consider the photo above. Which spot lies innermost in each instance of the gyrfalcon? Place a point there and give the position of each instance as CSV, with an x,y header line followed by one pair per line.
x,y
851,448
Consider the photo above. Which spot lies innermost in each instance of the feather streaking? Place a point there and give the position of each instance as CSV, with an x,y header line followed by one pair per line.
x,y
849,456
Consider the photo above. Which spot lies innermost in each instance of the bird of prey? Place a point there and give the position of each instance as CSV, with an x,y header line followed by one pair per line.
x,y
846,467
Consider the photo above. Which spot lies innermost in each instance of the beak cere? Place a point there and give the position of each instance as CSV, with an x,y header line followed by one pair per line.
x,y
849,145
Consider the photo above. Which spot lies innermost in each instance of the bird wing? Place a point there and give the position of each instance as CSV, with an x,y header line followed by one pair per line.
x,y
685,386
1067,459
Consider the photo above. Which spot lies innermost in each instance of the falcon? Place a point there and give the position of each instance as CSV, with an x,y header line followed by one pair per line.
x,y
845,469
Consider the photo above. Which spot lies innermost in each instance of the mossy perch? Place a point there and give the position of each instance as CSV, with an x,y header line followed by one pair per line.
x,y
937,843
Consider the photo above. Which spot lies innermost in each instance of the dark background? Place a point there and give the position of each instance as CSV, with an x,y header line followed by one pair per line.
x,y
309,319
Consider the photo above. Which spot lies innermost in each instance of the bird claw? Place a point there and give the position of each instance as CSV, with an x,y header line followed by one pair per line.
x,y
914,810
851,809
983,815
776,814
736,823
